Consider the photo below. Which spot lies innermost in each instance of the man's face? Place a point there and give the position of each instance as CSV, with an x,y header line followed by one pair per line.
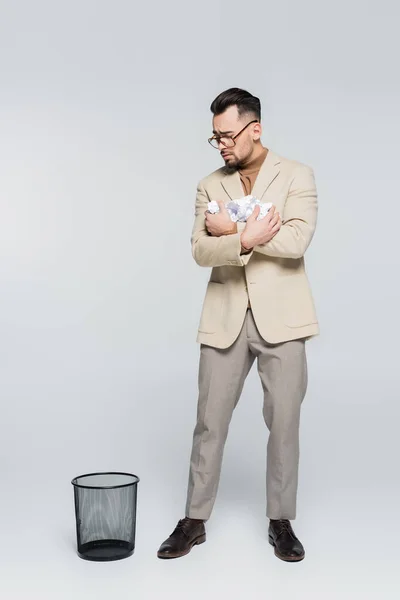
x,y
229,124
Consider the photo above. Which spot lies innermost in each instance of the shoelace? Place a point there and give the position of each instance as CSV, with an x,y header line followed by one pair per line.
x,y
284,525
182,526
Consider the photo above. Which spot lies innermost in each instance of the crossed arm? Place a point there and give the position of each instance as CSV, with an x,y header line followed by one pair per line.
x,y
291,241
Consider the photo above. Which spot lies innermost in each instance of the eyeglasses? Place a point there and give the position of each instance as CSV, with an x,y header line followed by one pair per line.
x,y
227,140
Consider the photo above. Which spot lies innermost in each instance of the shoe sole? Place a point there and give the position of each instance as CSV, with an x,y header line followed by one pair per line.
x,y
200,540
285,558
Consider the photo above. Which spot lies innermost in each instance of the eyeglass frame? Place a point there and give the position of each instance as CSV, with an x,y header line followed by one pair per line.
x,y
233,137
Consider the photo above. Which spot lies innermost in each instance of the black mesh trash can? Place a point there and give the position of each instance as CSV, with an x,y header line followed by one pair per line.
x,y
105,508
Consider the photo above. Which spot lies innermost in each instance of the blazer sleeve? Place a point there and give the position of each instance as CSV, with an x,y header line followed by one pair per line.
x,y
211,251
299,218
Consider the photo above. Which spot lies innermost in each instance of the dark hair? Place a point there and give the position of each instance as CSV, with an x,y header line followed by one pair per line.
x,y
245,102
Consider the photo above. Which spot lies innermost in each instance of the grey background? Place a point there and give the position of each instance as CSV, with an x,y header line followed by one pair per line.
x,y
103,126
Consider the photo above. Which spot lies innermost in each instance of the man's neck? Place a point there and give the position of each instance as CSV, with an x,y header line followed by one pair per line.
x,y
254,157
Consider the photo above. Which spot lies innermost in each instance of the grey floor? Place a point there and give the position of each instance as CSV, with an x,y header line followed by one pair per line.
x,y
347,520
350,554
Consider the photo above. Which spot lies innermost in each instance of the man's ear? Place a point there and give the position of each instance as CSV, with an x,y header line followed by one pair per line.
x,y
257,131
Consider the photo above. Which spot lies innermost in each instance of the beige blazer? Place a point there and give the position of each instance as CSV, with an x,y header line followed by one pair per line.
x,y
273,275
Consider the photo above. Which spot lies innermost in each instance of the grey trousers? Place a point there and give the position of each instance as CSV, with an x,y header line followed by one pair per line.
x,y
222,373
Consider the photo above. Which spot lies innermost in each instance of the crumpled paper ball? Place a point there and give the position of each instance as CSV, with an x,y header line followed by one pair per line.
x,y
241,209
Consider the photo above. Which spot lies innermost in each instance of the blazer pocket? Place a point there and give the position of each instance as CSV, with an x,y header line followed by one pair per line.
x,y
297,301
212,307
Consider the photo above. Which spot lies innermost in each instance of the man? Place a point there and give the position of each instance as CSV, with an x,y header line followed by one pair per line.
x,y
258,305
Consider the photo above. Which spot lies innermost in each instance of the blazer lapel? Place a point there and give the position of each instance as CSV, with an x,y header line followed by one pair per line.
x,y
268,172
232,185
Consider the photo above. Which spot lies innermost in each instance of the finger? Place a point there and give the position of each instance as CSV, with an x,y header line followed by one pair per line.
x,y
274,220
273,233
276,228
277,216
272,223
271,213
254,214
221,205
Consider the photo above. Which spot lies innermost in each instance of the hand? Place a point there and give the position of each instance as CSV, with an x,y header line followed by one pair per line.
x,y
220,223
260,232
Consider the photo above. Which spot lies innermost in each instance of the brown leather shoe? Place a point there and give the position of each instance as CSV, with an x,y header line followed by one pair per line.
x,y
188,533
282,537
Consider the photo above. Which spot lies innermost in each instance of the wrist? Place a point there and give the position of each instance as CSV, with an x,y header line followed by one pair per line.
x,y
243,243
233,229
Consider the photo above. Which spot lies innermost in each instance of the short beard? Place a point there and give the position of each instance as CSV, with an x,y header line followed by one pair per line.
x,y
233,167
230,169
